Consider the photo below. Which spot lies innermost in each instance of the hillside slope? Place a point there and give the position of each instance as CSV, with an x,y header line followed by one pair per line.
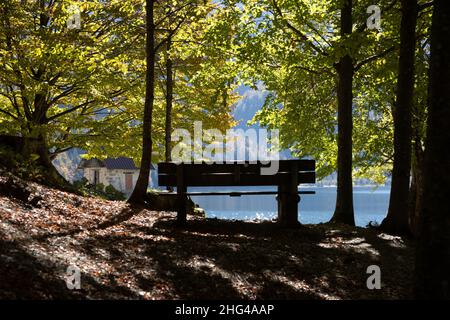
x,y
132,253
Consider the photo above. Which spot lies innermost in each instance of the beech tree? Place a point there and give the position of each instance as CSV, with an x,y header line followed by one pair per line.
x,y
140,189
397,220
203,89
344,200
320,54
433,255
53,78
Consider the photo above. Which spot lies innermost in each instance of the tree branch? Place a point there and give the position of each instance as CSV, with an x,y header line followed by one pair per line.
x,y
13,102
69,110
170,13
9,114
170,35
423,6
372,58
314,71
63,94
59,151
302,36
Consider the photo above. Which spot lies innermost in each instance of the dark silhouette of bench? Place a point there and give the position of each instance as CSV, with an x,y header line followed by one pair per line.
x,y
290,174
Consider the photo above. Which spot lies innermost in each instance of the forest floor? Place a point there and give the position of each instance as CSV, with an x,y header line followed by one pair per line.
x,y
133,253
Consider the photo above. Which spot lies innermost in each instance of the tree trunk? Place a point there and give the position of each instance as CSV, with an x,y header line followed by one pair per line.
x,y
416,190
417,162
396,221
27,147
344,201
169,99
140,190
433,252
37,145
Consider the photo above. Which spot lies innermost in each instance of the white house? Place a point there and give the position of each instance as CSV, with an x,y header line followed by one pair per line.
x,y
120,172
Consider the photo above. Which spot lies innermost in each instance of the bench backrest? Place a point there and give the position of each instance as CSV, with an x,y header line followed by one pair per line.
x,y
235,174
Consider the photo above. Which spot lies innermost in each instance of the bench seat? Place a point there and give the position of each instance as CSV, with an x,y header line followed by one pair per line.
x,y
290,174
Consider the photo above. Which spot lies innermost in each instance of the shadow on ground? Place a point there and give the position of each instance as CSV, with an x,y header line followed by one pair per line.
x,y
128,257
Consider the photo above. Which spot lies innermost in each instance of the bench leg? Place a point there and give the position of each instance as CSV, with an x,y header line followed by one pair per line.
x,y
181,204
181,196
287,206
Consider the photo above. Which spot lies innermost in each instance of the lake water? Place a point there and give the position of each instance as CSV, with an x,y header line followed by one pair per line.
x,y
370,204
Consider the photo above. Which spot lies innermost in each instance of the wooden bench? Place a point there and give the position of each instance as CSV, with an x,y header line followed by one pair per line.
x,y
290,174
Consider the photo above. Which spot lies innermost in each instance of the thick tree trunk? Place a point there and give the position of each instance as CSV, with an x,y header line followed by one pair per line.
x,y
140,190
344,201
27,147
417,163
38,145
396,221
416,190
433,252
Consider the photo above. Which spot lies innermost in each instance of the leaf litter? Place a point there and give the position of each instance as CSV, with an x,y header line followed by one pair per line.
x,y
126,252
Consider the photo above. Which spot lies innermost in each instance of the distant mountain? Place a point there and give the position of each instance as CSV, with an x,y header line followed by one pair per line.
x,y
66,163
251,102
